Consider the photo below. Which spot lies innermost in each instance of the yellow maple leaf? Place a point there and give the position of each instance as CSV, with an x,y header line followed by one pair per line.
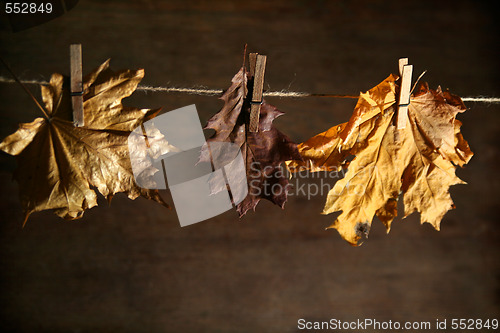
x,y
418,161
60,165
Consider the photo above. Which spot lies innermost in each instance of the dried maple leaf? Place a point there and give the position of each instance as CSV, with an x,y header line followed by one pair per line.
x,y
418,161
321,152
59,164
263,151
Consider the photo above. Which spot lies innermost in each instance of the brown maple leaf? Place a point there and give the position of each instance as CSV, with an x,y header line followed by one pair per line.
x,y
418,161
60,165
263,151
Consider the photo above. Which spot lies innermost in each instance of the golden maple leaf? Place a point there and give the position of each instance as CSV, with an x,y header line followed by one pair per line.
x,y
418,161
60,165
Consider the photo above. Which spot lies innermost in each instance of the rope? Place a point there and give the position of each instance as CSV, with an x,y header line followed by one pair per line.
x,y
492,100
281,93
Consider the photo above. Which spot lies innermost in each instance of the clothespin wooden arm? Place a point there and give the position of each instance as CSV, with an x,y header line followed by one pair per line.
x,y
405,71
252,60
258,67
75,52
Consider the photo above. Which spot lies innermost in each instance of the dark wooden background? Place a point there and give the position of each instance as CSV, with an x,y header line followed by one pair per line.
x,y
130,267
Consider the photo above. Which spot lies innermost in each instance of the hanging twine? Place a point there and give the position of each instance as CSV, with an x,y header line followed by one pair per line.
x,y
280,93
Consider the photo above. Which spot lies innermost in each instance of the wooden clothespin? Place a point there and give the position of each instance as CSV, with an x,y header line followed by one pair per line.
x,y
252,59
405,71
257,69
75,54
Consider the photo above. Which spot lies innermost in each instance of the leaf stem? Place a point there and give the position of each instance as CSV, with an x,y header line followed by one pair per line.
x,y
25,89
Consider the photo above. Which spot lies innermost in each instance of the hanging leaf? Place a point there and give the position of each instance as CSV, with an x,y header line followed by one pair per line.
x,y
321,153
60,166
418,161
263,151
